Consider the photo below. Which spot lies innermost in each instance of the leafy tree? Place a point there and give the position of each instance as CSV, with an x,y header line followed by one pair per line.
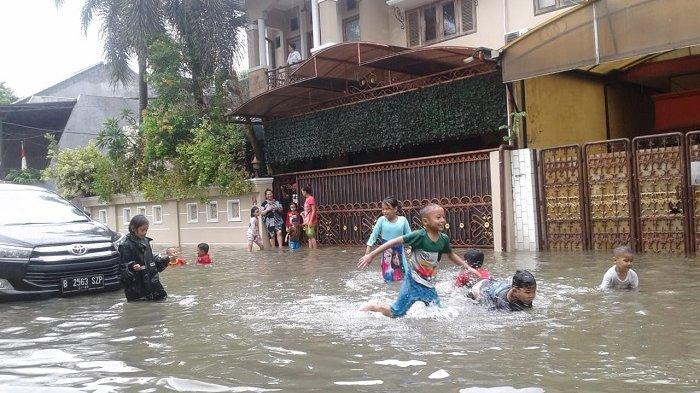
x,y
6,94
75,169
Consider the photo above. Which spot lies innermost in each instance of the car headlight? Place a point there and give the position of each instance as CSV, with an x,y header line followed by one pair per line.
x,y
120,240
12,252
4,284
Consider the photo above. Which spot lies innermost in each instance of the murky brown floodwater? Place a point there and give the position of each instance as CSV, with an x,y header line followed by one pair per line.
x,y
289,322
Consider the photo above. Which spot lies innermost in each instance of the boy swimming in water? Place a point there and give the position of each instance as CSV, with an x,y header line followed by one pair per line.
x,y
428,245
498,295
621,275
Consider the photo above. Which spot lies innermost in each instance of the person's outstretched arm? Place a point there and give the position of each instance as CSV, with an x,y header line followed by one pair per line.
x,y
457,260
373,237
367,259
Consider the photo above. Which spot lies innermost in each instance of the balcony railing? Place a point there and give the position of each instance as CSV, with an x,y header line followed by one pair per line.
x,y
281,76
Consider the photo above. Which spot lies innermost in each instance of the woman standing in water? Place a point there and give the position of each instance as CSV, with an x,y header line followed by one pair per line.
x,y
272,214
390,226
310,216
139,268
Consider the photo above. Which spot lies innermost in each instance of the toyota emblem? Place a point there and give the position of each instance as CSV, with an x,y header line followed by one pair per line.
x,y
78,249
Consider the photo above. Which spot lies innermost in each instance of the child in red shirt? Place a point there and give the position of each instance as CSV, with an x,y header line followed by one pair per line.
x,y
290,215
203,254
475,259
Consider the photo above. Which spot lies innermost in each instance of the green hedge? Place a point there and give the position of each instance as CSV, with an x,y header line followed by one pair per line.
x,y
440,113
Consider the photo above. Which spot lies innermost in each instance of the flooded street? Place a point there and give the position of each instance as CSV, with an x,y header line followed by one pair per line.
x,y
288,321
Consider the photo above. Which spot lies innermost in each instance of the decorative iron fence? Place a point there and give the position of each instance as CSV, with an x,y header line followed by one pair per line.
x,y
349,198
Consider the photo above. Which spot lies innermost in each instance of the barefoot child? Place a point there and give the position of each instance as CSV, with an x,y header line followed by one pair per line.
x,y
498,295
203,257
253,233
475,259
428,245
388,227
621,275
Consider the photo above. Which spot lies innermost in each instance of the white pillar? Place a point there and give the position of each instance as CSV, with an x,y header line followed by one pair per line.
x,y
262,43
302,31
316,23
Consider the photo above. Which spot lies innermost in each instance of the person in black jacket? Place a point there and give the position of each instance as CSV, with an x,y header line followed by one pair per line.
x,y
139,268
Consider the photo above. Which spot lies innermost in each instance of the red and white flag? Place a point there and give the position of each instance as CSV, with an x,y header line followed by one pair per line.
x,y
24,157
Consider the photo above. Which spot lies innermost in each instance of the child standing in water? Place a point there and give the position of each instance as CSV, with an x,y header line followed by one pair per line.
x,y
139,267
294,234
253,233
203,257
388,227
475,259
428,245
621,275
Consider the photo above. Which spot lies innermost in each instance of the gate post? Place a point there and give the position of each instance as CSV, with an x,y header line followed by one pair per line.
x,y
524,199
502,197
260,184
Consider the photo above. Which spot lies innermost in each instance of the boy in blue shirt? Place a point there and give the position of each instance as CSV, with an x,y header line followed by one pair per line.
x,y
428,245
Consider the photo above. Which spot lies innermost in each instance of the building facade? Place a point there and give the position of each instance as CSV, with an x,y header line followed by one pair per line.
x,y
312,25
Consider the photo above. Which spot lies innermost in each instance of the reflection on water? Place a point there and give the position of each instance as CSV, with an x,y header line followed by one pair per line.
x,y
273,321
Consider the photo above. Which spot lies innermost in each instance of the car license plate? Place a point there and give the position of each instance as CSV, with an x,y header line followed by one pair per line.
x,y
85,283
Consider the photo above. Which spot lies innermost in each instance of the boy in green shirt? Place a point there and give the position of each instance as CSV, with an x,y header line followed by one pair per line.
x,y
428,245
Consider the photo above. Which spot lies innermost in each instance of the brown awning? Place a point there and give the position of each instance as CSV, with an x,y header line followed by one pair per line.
x,y
344,70
602,31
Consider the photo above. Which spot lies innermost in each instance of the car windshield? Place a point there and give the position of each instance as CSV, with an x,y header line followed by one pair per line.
x,y
36,207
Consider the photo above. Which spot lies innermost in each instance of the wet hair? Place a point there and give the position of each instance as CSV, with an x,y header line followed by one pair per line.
x,y
253,210
622,250
136,222
204,247
524,279
307,189
293,45
391,201
429,208
293,204
475,258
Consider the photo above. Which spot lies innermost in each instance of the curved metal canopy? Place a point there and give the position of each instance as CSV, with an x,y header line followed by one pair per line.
x,y
348,69
602,31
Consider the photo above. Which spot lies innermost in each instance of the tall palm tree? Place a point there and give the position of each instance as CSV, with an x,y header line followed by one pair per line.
x,y
125,28
208,30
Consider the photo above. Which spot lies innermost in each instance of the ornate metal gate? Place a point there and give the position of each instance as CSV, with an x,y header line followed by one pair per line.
x,y
621,192
349,198
660,168
562,197
693,146
608,189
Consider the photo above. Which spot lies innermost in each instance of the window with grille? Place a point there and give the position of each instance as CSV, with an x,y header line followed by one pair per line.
x,y
542,6
212,211
126,215
351,30
439,21
157,214
141,210
192,214
102,216
234,209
